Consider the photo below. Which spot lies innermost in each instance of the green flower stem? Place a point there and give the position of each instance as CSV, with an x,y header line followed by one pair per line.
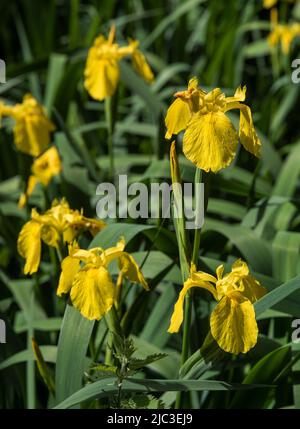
x,y
114,327
110,128
184,253
188,301
198,179
30,365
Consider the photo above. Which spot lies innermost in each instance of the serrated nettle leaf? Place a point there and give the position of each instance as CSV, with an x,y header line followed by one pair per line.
x,y
136,364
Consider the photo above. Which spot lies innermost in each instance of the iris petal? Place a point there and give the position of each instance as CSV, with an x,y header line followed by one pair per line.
x,y
131,270
141,65
177,117
196,280
233,324
29,246
247,133
101,77
70,267
93,292
210,141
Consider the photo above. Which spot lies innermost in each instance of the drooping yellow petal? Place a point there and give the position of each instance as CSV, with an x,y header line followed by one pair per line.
x,y
29,246
93,292
102,77
32,129
247,133
210,141
233,324
102,69
131,270
31,184
197,279
141,66
69,268
47,166
177,118
177,316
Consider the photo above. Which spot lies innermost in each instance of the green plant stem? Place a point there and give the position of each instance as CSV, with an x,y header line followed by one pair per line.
x,y
198,179
114,327
188,303
110,129
30,368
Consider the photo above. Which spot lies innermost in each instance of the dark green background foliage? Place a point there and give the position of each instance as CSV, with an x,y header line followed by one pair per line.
x,y
253,209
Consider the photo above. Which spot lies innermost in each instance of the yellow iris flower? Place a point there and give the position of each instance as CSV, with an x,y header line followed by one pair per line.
x,y
267,4
102,68
32,128
210,139
60,223
43,169
91,287
282,33
232,322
